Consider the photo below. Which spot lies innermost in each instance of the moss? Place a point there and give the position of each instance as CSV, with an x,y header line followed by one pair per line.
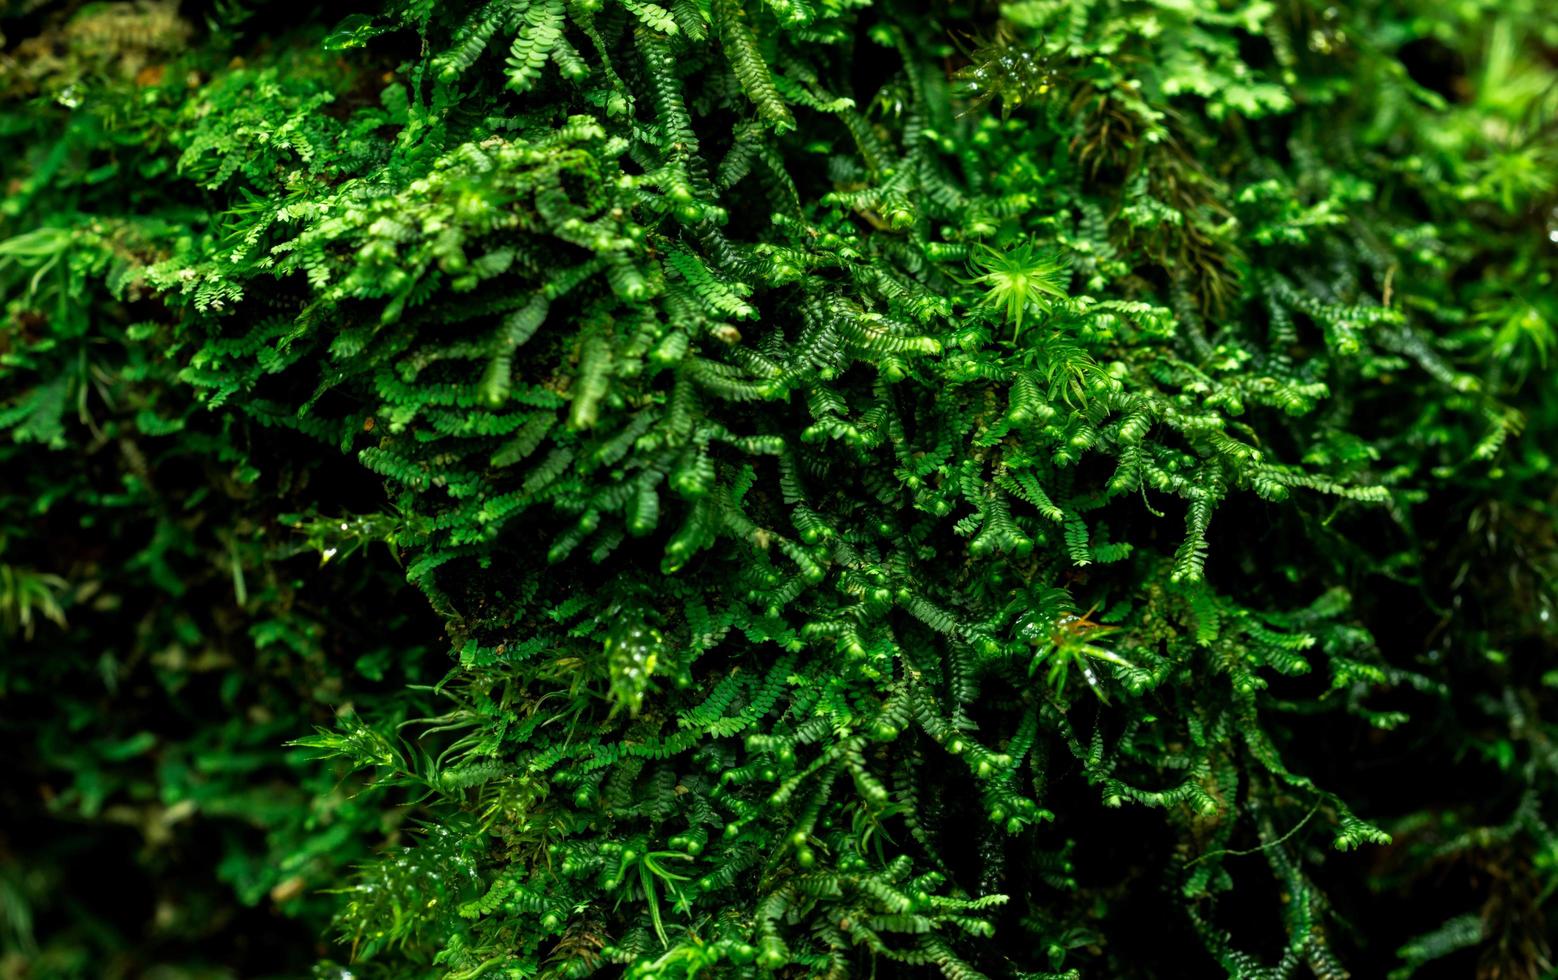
x,y
787,488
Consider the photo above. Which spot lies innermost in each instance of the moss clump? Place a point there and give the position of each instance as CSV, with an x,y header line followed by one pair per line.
x,y
1069,504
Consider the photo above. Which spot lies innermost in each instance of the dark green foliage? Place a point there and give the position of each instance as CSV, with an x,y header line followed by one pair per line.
x,y
873,534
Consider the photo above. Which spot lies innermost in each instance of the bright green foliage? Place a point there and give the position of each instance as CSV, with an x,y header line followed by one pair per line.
x,y
1018,279
873,534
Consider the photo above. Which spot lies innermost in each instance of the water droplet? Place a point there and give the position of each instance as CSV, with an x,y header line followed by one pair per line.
x,y
353,32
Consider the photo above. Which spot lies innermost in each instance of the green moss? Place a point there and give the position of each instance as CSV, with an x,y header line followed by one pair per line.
x,y
891,501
